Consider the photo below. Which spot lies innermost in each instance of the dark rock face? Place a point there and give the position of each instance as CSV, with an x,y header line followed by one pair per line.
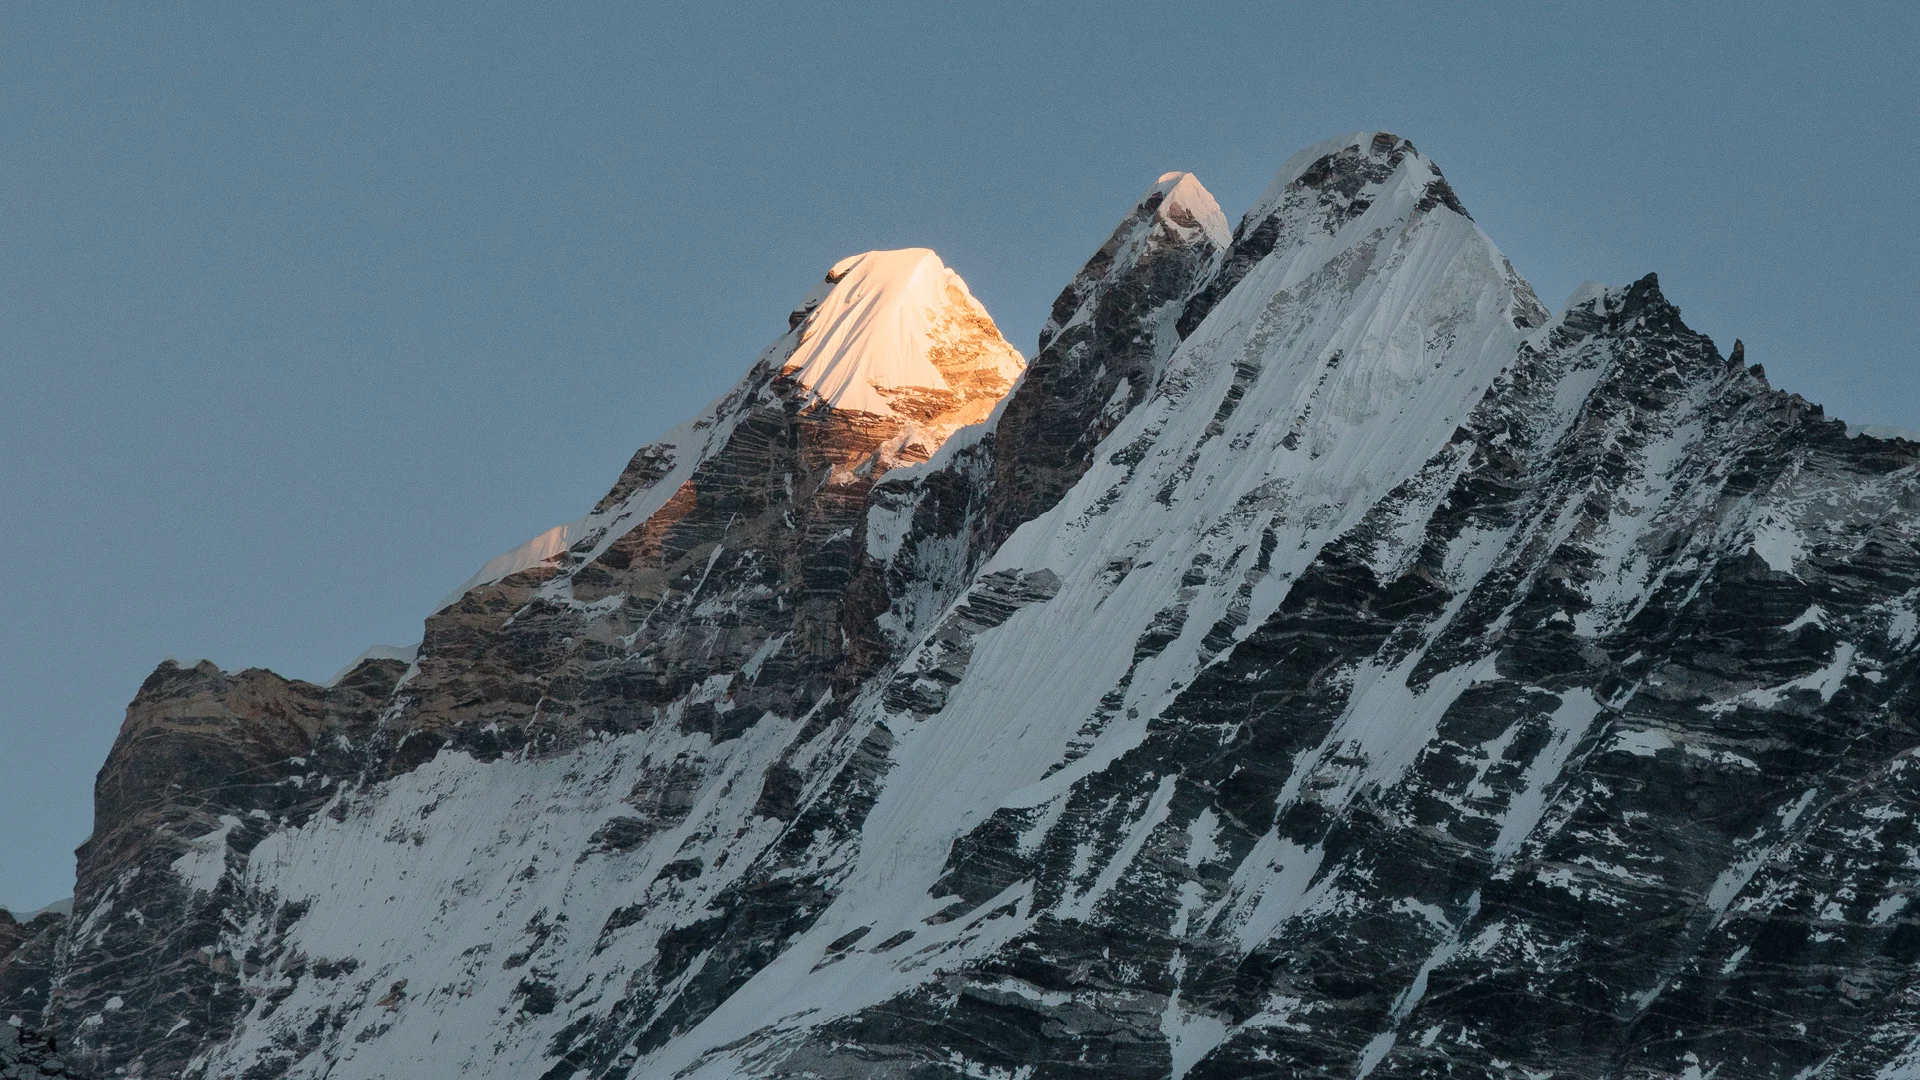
x,y
27,959
1102,351
1322,663
31,1055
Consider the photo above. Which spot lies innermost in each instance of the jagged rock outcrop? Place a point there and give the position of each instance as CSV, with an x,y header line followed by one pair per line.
x,y
27,962
206,764
1320,660
31,1055
1103,349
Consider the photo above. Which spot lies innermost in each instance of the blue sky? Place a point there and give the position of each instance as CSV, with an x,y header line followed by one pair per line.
x,y
311,309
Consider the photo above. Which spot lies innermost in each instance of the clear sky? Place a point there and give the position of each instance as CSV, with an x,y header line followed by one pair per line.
x,y
310,309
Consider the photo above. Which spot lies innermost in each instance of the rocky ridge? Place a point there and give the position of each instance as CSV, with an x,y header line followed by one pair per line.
x,y
27,963
1319,659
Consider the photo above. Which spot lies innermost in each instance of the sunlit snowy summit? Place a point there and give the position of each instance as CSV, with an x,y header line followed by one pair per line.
x,y
1320,659
896,333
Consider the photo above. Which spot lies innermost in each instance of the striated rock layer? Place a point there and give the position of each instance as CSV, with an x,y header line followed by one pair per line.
x,y
27,964
1319,660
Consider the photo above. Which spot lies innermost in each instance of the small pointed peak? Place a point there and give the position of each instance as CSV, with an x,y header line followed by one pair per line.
x,y
1320,190
897,334
1594,295
1177,217
1738,357
1643,299
1183,200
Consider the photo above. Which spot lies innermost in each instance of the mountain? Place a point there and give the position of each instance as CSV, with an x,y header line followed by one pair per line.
x,y
1320,659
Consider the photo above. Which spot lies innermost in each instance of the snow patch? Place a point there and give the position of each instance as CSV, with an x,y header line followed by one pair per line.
x,y
1826,682
1569,721
1815,615
1734,878
205,862
1190,1035
1644,743
1780,544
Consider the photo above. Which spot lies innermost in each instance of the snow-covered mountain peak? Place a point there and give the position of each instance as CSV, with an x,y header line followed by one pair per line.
x,y
1337,201
898,334
1347,174
1176,218
1185,202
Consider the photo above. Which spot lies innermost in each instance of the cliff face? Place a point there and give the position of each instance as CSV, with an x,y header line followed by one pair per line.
x,y
206,764
27,965
1319,659
1103,351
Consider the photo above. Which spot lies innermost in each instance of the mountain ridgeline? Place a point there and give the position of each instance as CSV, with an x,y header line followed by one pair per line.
x,y
1317,659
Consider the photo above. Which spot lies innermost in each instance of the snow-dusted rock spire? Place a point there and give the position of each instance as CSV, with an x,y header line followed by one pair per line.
x,y
1101,353
1176,213
1104,346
